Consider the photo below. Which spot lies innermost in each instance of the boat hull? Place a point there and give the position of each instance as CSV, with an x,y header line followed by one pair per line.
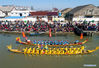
x,y
78,32
50,52
80,43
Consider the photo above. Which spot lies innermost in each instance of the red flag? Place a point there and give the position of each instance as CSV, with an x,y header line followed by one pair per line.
x,y
23,34
26,38
50,35
81,37
17,38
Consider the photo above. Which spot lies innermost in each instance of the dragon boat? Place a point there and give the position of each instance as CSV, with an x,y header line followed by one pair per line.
x,y
18,40
53,51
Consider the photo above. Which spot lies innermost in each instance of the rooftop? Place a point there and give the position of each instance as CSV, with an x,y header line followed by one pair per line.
x,y
8,8
79,8
43,13
14,17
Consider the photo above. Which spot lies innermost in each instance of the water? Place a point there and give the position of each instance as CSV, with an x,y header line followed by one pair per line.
x,y
15,60
89,65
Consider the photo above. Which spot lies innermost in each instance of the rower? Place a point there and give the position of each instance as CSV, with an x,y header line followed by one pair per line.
x,y
48,42
54,51
28,41
25,50
46,51
50,51
77,41
62,42
58,52
34,41
29,50
37,51
56,42
41,51
65,42
33,51
51,42
45,42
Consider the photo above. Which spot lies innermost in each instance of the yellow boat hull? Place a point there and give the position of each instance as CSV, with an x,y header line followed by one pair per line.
x,y
50,51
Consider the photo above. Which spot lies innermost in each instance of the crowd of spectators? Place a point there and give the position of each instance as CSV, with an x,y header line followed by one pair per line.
x,y
34,26
88,26
44,26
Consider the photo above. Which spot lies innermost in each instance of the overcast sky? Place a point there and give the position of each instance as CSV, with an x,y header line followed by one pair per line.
x,y
49,4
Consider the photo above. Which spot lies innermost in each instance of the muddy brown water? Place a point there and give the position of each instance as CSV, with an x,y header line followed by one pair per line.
x,y
14,60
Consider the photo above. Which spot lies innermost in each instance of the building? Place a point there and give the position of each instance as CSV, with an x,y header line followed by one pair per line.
x,y
83,12
47,16
55,10
5,10
44,15
11,13
65,11
14,11
2,14
20,11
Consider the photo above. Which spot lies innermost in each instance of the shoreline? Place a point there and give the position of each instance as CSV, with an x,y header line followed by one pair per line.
x,y
46,33
14,32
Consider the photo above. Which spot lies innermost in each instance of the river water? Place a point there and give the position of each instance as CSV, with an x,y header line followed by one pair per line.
x,y
14,60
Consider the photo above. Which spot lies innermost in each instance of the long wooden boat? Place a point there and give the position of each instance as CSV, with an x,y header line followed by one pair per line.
x,y
78,32
38,33
53,51
71,44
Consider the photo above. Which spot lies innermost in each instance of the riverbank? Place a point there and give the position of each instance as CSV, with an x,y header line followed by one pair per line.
x,y
28,33
13,32
45,33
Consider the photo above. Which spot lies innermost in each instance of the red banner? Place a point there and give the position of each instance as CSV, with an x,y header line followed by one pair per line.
x,y
50,35
23,34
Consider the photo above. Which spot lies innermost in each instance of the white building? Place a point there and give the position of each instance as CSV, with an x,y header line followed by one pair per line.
x,y
20,11
91,20
5,10
2,14
14,11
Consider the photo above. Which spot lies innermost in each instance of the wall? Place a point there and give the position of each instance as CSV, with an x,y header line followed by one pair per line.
x,y
96,20
88,10
2,14
59,19
45,19
17,13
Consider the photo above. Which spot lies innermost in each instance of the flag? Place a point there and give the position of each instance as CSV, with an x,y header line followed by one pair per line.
x,y
50,35
17,38
41,46
23,34
26,38
46,47
81,37
38,46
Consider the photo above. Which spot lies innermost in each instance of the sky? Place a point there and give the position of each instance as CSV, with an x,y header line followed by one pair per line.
x,y
49,4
